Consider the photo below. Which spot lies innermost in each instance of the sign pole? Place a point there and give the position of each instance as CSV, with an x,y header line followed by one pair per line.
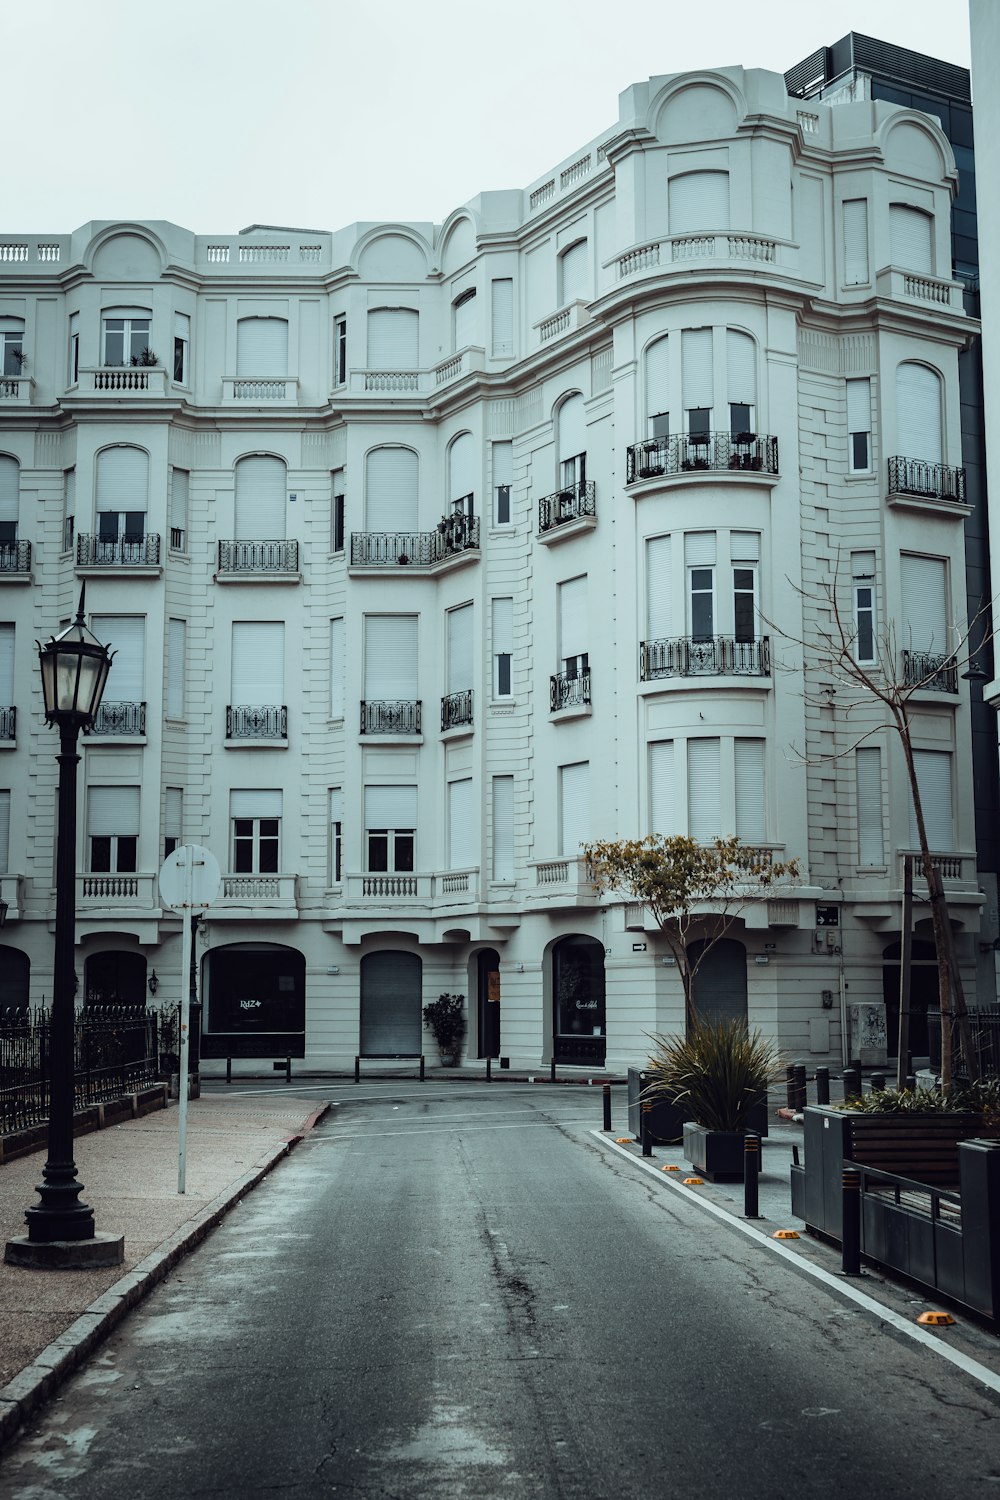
x,y
185,1026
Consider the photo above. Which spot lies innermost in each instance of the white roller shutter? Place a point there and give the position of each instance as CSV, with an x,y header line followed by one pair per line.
x,y
466,320
573,269
662,798
741,368
390,807
390,657
393,338
179,485
460,649
910,239
503,463
933,768
503,828
703,764
659,613
10,478
749,773
697,387
868,767
338,663
4,832
172,813
859,405
336,804
855,241
391,490
176,653
698,203
503,625
260,499
391,1005
7,665
918,413
261,347
573,631
744,546
122,479
503,318
126,635
258,667
113,810
658,378
572,428
925,603
574,808
462,841
255,802
700,549
462,466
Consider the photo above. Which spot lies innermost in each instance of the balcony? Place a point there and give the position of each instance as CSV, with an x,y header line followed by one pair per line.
x,y
570,690
456,710
750,250
911,286
246,897
719,656
456,539
12,892
392,718
253,721
141,381
913,481
576,504
15,561
17,390
276,561
274,390
710,452
957,871
125,720
561,882
932,674
8,724
118,552
444,888
116,893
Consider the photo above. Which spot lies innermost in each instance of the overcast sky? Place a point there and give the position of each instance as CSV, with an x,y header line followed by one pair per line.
x,y
312,113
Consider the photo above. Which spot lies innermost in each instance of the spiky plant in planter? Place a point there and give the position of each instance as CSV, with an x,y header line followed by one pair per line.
x,y
716,1074
445,1020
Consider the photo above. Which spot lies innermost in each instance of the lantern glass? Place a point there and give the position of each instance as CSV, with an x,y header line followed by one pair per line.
x,y
74,667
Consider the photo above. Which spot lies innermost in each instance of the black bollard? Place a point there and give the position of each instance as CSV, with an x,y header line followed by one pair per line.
x,y
790,1086
644,1130
552,1070
606,1099
852,1083
851,1222
800,1086
751,1170
822,1085
910,1083
878,1082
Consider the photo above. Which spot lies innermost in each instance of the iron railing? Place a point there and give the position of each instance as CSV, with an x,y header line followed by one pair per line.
x,y
256,721
914,476
984,1031
8,723
259,557
120,718
419,549
936,674
569,689
456,709
750,452
570,504
15,557
121,551
719,656
379,716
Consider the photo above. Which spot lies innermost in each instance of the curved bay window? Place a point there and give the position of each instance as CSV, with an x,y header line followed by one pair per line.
x,y
578,1001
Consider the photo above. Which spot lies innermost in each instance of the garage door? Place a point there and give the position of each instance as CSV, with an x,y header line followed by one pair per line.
x,y
390,1004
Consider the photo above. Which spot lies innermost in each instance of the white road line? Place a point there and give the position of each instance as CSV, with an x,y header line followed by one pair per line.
x,y
328,1137
842,1287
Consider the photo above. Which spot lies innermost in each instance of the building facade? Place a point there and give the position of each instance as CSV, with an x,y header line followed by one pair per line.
x,y
432,552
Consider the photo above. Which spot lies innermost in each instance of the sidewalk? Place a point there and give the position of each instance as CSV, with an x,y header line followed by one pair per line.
x,y
51,1320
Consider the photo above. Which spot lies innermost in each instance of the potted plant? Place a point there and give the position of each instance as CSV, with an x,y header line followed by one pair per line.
x,y
445,1020
402,559
144,359
719,1075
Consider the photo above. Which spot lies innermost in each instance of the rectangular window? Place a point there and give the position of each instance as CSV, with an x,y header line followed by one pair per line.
x,y
462,841
502,345
11,350
934,781
4,832
69,509
126,341
179,487
337,512
460,643
176,667
182,342
391,658
868,771
6,668
662,798
573,621
703,766
924,583
503,828
697,381
113,829
126,680
336,835
855,241
863,587
859,425
574,808
255,817
390,828
700,557
73,373
172,819
751,821
465,319
503,647
337,668
340,351
258,663
503,479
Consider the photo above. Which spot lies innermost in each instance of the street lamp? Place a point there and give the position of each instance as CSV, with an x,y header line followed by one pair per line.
x,y
74,667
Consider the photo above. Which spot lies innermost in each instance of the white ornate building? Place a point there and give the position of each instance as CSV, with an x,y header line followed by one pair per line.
x,y
432,551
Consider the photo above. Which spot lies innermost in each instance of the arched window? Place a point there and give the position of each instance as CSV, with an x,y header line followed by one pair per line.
x,y
741,382
918,413
573,274
122,491
391,490
11,346
720,986
261,482
578,1001
462,475
393,338
911,239
391,993
261,347
115,977
465,319
10,498
658,389
572,444
255,996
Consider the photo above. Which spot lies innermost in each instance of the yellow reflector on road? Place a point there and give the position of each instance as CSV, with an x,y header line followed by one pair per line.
x,y
623,1140
670,1167
694,1182
785,1234
936,1319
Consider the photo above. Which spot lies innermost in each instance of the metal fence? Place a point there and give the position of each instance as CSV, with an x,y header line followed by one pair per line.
x,y
117,1049
984,1028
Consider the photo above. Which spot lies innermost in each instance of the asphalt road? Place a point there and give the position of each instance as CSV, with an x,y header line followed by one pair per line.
x,y
455,1292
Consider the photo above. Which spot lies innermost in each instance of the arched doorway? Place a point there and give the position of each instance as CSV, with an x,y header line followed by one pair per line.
x,y
488,1001
391,996
578,1001
924,994
115,977
15,980
255,1001
720,986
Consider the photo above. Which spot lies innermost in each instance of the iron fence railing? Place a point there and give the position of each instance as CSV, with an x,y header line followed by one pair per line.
x,y
120,718
569,689
935,674
401,716
454,535
752,452
15,557
120,551
259,557
256,721
719,656
570,504
984,1030
927,481
8,723
456,709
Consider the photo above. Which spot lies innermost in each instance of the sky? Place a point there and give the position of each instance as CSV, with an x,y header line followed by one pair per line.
x,y
217,114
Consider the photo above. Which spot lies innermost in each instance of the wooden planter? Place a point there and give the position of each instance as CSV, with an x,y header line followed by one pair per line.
x,y
716,1154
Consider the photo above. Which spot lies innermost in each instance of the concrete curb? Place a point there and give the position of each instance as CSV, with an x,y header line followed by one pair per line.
x,y
37,1382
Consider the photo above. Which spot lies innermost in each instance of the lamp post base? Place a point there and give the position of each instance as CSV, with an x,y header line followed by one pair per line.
x,y
66,1255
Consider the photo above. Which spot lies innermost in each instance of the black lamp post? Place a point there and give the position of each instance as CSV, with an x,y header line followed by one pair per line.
x,y
74,667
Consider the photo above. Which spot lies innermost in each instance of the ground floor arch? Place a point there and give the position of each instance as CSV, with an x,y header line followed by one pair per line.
x,y
579,1001
720,986
391,1004
254,1001
924,994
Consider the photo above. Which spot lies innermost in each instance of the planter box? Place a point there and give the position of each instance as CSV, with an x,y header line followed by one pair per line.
x,y
716,1154
667,1119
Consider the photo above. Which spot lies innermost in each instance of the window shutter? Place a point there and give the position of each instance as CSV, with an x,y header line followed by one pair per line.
x,y
69,492
260,499
699,549
182,326
503,463
744,546
503,625
4,832
113,810
658,378
933,768
391,657
391,490
338,664
336,804
261,347
859,405
574,807
255,803
698,202
910,239
10,478
749,773
503,828
393,338
258,667
662,801
503,318
179,481
126,634
573,265
172,813
918,413
868,768
703,789
697,387
176,662
572,428
741,368
659,614
925,603
390,807
462,466
122,479
855,242
390,1004
460,649
6,665
462,841
573,617
466,320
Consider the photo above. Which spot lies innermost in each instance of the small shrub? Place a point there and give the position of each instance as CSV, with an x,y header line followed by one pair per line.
x,y
445,1020
717,1073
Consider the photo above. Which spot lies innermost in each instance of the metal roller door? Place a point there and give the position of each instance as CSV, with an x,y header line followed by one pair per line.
x,y
390,1004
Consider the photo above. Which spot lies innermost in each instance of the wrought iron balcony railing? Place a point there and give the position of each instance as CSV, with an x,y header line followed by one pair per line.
x,y
402,716
569,689
15,557
456,709
926,481
749,452
419,549
719,656
120,719
935,674
251,721
121,551
8,723
570,504
258,557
